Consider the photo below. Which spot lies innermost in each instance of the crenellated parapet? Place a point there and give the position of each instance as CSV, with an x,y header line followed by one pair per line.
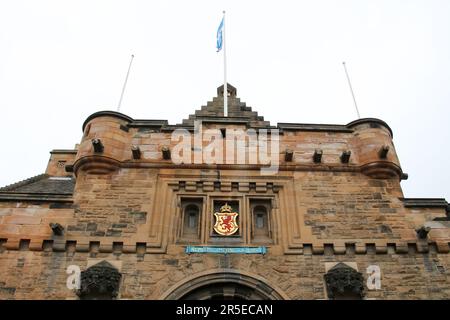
x,y
112,140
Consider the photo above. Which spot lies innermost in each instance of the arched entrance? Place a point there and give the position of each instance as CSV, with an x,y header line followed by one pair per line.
x,y
224,284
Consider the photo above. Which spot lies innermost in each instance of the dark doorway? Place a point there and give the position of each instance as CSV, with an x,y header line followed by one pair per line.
x,y
224,284
224,291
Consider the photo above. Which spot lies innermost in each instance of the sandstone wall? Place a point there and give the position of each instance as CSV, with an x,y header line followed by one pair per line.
x,y
127,211
42,275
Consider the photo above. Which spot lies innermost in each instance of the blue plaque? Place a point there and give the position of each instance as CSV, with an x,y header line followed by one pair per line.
x,y
225,250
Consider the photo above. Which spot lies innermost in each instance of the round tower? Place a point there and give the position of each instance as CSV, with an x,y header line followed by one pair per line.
x,y
376,151
102,148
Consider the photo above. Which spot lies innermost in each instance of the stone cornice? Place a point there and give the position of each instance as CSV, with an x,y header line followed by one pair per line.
x,y
371,121
64,151
426,203
283,126
336,247
148,123
106,114
40,197
313,127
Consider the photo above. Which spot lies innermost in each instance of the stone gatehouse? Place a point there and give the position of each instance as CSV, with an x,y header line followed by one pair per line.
x,y
117,218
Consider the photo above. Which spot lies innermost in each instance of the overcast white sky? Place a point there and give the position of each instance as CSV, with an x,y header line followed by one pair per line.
x,y
61,61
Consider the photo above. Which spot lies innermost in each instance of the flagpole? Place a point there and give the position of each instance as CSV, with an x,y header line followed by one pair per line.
x,y
351,90
225,89
125,84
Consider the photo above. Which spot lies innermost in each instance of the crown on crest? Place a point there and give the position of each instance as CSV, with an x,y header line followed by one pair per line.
x,y
225,208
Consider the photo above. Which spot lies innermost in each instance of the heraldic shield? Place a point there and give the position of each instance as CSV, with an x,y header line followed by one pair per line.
x,y
226,223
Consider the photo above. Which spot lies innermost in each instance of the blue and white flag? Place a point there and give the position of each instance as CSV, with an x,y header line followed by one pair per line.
x,y
219,36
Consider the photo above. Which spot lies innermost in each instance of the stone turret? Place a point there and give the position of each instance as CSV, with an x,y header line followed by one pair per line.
x,y
375,148
104,143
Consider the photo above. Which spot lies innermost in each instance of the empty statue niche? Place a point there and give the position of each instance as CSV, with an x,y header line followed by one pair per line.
x,y
191,215
261,220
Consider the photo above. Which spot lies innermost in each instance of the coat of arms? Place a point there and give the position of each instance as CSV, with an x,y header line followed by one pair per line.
x,y
226,223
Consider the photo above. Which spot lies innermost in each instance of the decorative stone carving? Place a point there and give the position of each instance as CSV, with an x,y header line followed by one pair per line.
x,y
165,152
136,152
342,279
57,229
422,232
317,157
98,145
345,156
101,281
383,152
288,155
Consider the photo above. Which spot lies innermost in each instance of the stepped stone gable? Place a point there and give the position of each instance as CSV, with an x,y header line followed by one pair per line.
x,y
139,226
237,111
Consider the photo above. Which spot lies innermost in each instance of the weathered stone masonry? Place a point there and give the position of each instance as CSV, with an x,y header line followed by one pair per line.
x,y
336,198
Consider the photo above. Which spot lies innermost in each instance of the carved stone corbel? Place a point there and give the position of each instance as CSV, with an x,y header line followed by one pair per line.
x,y
100,281
343,279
